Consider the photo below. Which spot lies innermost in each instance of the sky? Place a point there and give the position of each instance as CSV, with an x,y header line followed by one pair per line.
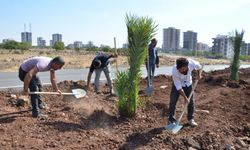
x,y
100,21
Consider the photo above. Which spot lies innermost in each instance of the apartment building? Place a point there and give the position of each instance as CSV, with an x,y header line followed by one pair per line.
x,y
26,37
171,39
41,42
222,44
202,47
189,40
78,44
56,38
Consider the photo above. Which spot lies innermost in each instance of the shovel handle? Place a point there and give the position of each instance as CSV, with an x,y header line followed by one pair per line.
x,y
51,93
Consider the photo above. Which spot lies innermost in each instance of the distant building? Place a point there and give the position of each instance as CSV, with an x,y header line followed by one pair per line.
x,y
78,44
222,44
26,37
245,48
70,46
202,47
248,48
189,40
56,38
41,42
171,39
125,45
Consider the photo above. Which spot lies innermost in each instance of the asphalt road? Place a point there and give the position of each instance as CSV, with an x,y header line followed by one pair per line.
x,y
10,80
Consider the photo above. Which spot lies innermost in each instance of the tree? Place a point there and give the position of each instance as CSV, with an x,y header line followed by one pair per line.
x,y
105,48
237,42
59,46
24,45
10,44
140,31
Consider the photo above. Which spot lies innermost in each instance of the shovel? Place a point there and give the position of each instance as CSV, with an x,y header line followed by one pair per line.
x,y
175,127
149,89
78,93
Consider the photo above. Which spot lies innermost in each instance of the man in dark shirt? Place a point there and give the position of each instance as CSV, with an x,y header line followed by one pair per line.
x,y
153,60
100,63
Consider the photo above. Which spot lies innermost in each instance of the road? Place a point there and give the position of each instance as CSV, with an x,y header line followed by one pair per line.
x,y
10,80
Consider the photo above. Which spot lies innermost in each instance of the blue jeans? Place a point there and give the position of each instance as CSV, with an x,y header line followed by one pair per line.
x,y
97,77
174,96
34,86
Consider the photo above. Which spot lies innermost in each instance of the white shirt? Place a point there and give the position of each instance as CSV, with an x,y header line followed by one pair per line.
x,y
181,80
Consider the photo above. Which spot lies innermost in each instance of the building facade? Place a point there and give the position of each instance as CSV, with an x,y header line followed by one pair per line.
x,y
78,45
223,45
189,40
56,38
171,39
202,47
41,42
26,37
245,49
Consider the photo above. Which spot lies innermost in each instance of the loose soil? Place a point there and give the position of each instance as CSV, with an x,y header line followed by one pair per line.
x,y
93,122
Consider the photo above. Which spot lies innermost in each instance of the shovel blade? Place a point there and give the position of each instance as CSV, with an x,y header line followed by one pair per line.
x,y
149,90
79,93
173,128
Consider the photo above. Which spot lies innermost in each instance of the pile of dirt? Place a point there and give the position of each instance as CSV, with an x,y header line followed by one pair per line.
x,y
93,122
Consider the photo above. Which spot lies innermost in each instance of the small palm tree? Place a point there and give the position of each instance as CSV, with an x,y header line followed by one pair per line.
x,y
237,40
140,31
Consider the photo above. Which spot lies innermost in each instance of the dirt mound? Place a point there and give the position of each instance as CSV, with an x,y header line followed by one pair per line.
x,y
93,122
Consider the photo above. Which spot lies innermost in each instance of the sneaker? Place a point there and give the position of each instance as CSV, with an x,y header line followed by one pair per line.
x,y
43,106
192,123
112,92
39,115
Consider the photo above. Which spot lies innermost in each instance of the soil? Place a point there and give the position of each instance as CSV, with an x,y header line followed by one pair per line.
x,y
93,122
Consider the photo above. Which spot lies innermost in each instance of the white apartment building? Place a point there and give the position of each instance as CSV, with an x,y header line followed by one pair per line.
x,y
78,44
222,44
202,47
41,42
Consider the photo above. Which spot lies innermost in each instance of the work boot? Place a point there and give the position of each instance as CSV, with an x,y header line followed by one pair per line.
x,y
192,123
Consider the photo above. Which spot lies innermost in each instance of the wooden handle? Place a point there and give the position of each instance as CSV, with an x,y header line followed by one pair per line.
x,y
51,93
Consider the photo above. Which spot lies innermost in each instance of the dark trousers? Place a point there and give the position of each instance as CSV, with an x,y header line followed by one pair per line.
x,y
34,86
174,96
151,71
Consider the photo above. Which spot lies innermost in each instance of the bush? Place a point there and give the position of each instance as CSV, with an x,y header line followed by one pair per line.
x,y
58,46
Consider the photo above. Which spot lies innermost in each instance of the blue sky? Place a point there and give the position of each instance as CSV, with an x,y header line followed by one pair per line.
x,y
102,20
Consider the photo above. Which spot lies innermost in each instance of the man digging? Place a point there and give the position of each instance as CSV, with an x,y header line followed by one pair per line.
x,y
182,85
27,73
100,63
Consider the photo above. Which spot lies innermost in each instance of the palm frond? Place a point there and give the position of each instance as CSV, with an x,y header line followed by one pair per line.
x,y
237,40
140,31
